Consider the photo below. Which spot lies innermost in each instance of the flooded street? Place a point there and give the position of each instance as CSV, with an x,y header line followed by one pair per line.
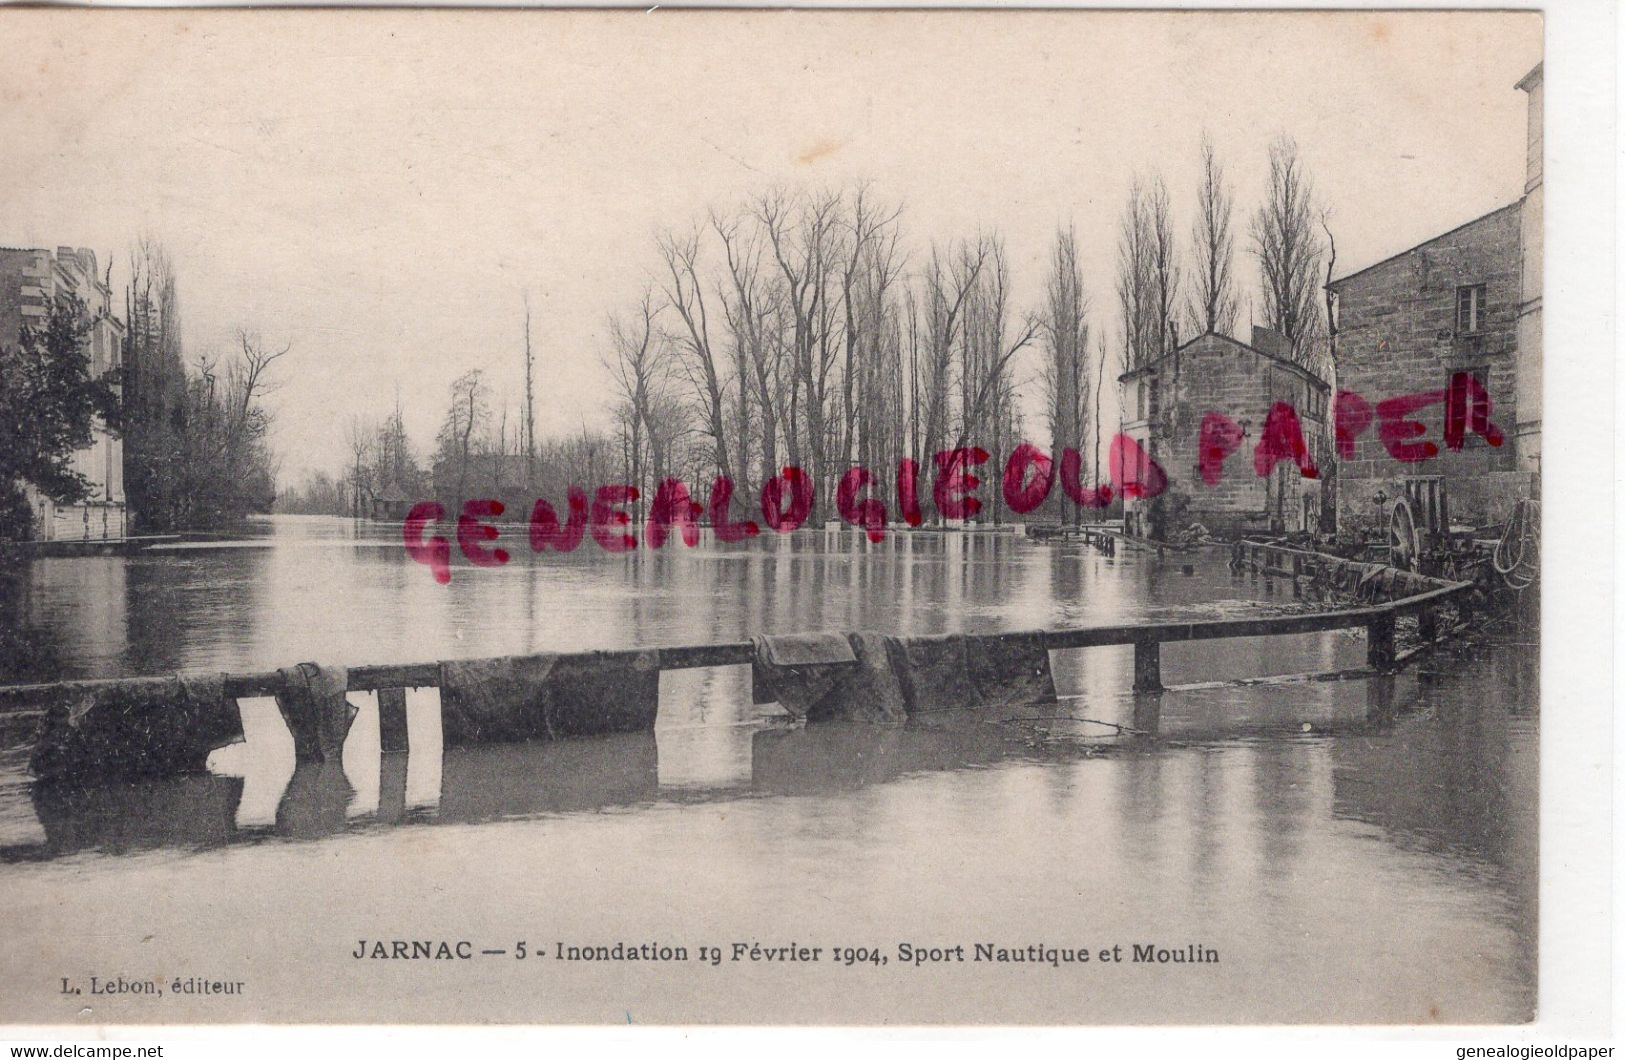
x,y
1342,869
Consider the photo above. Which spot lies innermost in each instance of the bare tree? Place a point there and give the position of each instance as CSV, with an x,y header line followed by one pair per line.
x,y
1100,386
1331,296
246,383
529,424
468,415
986,349
803,238
947,287
685,294
1213,303
1136,283
748,305
224,464
1164,260
870,266
358,436
1065,329
1289,253
637,363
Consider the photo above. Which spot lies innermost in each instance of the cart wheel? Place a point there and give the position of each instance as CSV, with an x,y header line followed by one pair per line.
x,y
1404,551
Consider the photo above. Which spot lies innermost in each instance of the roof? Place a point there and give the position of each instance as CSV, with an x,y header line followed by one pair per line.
x,y
1408,250
1268,356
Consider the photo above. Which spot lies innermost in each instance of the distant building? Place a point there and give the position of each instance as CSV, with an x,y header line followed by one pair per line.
x,y
29,281
390,504
1465,303
1166,401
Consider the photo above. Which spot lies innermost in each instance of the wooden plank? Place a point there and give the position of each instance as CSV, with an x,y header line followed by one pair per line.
x,y
735,654
1214,629
409,675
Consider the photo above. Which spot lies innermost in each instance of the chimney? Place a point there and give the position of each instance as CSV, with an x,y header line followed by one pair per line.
x,y
1534,84
1271,342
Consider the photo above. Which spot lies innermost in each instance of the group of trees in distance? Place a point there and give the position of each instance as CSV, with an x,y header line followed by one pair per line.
x,y
807,328
196,432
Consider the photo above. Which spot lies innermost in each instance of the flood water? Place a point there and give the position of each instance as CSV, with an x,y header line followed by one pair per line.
x,y
1357,850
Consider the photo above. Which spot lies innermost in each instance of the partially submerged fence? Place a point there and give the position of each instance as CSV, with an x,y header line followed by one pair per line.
x,y
164,725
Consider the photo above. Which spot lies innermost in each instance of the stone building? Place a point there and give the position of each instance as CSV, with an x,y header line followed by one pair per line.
x,y
30,280
1167,402
1531,230
1463,306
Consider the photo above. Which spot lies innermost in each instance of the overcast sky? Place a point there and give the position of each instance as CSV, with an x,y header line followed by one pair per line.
x,y
380,188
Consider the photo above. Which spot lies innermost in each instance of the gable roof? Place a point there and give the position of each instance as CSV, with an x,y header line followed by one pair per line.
x,y
1187,344
1335,284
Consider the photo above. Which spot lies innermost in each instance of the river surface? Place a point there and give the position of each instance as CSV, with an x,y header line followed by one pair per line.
x,y
1339,868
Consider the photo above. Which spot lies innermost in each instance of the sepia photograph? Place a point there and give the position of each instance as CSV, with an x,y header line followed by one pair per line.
x,y
848,518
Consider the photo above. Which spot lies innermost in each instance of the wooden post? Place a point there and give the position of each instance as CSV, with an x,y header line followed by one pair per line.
x,y
391,720
1148,714
1379,699
392,788
1379,649
1147,666
1427,621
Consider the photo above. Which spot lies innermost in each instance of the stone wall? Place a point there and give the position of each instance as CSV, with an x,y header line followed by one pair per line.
x,y
1217,374
1398,334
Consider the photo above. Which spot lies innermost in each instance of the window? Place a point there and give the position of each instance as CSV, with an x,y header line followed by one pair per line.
x,y
1315,405
1480,374
1469,308
1153,402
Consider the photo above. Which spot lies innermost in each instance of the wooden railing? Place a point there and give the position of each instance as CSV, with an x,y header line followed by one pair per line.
x,y
1146,637
30,703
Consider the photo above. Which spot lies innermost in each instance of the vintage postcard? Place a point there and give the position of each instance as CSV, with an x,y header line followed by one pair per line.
x,y
746,517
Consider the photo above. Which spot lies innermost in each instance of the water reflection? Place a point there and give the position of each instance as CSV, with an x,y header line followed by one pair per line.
x,y
705,729
332,590
1441,776
1379,833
